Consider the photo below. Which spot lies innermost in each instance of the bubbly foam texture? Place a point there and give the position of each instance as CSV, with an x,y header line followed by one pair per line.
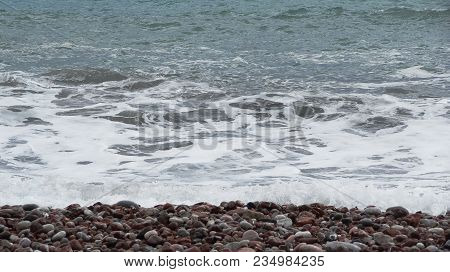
x,y
81,143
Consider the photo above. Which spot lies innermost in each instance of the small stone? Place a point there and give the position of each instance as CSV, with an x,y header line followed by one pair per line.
x,y
420,245
383,239
301,221
176,220
432,248
58,236
283,221
447,244
88,212
182,232
366,222
150,233
83,236
245,225
372,211
307,248
154,240
116,226
397,211
23,225
48,227
428,223
76,245
246,249
336,246
24,242
303,234
330,236
29,207
234,246
127,204
437,231
250,235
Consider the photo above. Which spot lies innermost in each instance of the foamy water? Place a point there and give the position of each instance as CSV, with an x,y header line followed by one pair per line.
x,y
181,107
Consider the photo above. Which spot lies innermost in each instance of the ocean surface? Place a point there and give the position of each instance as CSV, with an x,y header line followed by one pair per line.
x,y
341,102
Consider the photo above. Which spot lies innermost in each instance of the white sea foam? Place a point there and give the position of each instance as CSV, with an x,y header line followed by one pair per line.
x,y
72,159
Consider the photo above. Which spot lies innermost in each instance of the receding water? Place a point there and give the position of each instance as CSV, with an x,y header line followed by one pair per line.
x,y
343,102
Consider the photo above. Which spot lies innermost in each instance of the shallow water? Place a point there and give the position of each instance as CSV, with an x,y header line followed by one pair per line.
x,y
342,102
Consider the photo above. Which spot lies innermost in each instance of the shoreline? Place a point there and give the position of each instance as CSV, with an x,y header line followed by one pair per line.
x,y
230,226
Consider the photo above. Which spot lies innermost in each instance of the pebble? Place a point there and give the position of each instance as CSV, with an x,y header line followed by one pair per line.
x,y
303,234
397,211
58,236
373,211
341,247
29,207
283,221
48,227
24,242
420,245
182,232
428,223
150,233
23,225
154,240
383,239
250,235
245,225
127,204
437,231
307,248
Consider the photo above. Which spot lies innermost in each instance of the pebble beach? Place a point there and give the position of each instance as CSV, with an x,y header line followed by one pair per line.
x,y
229,227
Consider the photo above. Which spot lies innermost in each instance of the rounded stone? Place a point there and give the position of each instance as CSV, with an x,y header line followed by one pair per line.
x,y
29,207
127,204
48,227
303,234
307,248
58,236
23,225
397,211
150,233
250,235
24,242
373,211
245,225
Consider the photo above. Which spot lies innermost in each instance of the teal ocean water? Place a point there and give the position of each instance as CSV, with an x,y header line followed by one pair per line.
x,y
343,102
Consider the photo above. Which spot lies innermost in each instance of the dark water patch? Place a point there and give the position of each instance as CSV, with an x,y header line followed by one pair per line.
x,y
407,13
143,150
291,14
36,121
306,111
258,105
84,76
377,123
29,159
376,157
158,26
86,111
75,101
398,92
272,124
65,93
21,92
142,85
298,150
84,162
381,169
127,117
19,108
319,170
403,112
412,160
11,82
201,116
329,117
